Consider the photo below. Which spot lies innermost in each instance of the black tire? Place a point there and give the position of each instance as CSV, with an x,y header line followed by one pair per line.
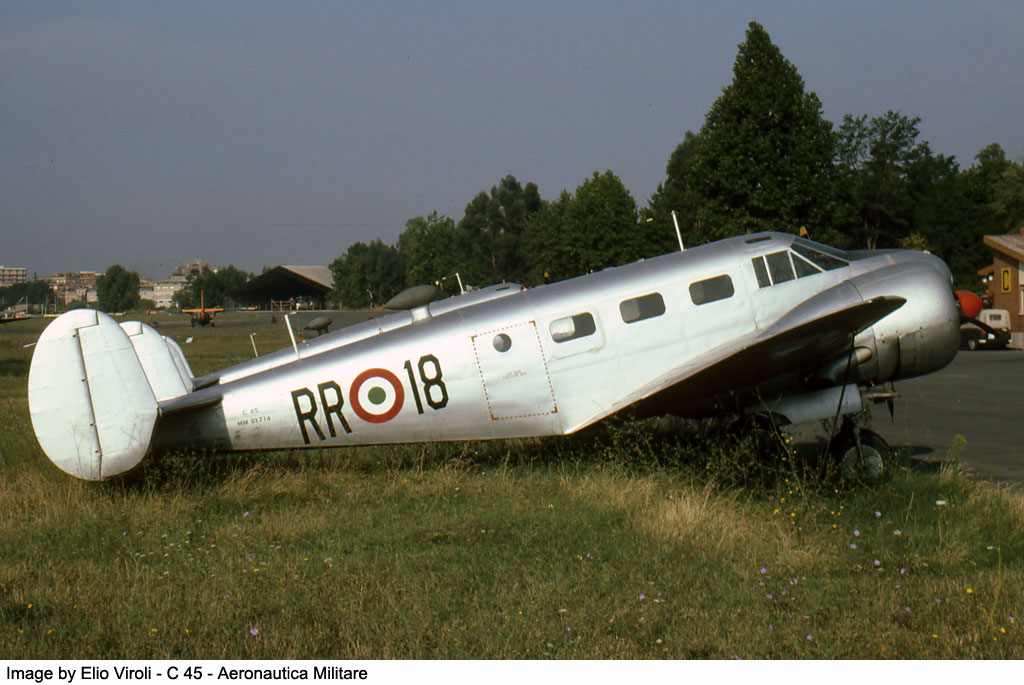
x,y
868,462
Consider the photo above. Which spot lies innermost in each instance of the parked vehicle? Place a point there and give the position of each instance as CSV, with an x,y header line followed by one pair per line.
x,y
990,330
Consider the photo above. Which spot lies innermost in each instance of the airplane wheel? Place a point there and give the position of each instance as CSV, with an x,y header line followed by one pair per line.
x,y
868,462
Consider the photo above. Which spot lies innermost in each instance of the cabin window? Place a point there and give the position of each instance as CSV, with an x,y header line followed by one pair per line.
x,y
711,289
804,267
825,261
640,308
762,272
779,267
572,327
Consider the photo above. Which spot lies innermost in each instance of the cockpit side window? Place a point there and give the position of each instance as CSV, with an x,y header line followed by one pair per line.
x,y
779,267
572,327
762,272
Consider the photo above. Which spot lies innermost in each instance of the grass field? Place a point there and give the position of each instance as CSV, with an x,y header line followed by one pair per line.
x,y
612,546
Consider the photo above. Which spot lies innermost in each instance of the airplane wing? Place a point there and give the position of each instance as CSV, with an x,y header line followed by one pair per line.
x,y
792,345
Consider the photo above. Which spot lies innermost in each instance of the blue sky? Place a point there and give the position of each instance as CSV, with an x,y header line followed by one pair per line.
x,y
260,133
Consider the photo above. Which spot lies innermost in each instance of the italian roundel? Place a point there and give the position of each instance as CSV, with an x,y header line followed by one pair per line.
x,y
376,395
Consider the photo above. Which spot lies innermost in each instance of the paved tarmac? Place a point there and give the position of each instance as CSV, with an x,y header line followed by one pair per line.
x,y
979,396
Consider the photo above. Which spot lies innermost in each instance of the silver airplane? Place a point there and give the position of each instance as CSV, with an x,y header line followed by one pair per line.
x,y
762,324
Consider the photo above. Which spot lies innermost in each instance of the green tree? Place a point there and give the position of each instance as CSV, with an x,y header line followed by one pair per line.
x,y
996,186
492,231
875,158
1008,199
211,288
592,230
34,292
368,275
764,159
981,179
117,289
942,218
550,252
431,251
672,195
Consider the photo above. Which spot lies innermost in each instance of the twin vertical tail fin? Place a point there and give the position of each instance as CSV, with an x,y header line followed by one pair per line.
x,y
94,389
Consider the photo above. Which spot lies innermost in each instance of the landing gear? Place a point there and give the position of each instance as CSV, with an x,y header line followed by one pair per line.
x,y
860,454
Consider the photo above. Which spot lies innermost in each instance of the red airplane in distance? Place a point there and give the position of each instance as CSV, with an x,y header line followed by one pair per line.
x,y
202,316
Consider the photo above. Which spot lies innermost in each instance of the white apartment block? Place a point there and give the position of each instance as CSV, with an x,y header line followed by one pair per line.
x,y
162,292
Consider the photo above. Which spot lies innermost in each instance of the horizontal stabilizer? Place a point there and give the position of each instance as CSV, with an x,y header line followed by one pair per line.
x,y
184,370
167,376
92,407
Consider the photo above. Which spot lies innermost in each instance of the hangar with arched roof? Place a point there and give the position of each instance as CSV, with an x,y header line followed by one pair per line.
x,y
287,287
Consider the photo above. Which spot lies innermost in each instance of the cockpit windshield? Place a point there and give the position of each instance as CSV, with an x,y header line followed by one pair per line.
x,y
826,257
800,261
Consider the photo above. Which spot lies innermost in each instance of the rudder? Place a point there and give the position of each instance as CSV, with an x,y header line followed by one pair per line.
x,y
92,407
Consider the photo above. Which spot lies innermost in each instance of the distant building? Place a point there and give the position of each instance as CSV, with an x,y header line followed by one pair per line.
x,y
74,285
287,287
72,280
9,275
1007,286
162,292
189,267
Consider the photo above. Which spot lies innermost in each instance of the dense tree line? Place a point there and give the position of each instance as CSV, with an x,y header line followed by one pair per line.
x,y
36,292
765,159
210,288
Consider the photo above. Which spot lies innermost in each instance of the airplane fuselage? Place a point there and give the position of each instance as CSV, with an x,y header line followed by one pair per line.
x,y
554,359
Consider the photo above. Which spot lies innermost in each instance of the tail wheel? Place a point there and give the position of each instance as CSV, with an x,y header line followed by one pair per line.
x,y
863,455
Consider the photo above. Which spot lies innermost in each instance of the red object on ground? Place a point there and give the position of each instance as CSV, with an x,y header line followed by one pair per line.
x,y
970,304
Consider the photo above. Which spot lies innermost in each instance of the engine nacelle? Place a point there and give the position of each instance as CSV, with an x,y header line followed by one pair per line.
x,y
923,335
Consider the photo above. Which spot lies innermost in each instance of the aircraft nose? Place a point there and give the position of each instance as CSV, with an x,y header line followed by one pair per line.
x,y
932,342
